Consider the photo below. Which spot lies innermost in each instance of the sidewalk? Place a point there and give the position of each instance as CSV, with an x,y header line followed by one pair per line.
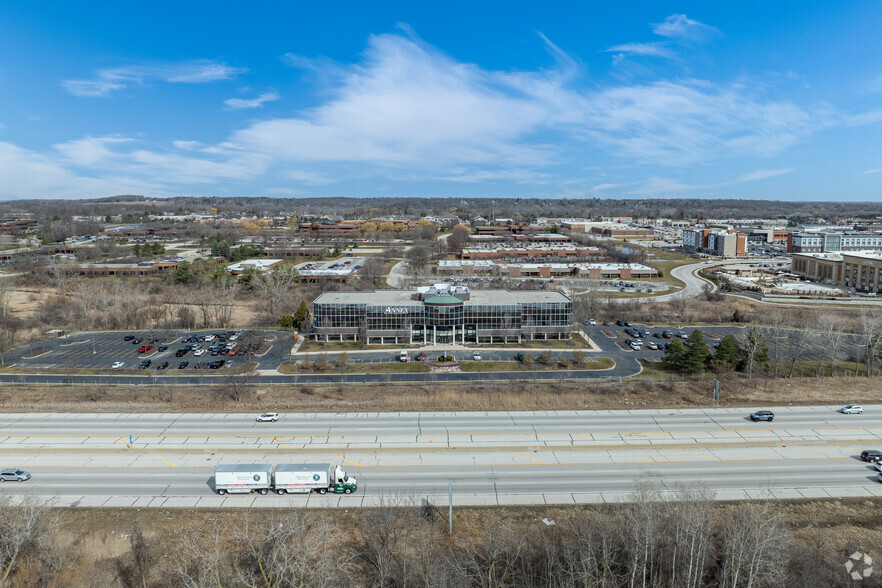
x,y
595,348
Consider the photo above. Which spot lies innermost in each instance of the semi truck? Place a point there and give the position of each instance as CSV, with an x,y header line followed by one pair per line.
x,y
283,479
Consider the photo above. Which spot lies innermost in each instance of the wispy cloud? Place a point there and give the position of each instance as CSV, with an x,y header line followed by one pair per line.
x,y
240,103
870,171
107,81
679,26
645,49
762,174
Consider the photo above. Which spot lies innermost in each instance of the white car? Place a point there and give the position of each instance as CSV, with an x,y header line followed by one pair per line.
x,y
268,417
209,338
199,352
878,465
592,322
476,356
118,364
852,409
652,346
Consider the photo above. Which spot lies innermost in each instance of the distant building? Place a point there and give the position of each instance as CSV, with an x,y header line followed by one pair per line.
x,y
261,265
594,271
860,270
829,242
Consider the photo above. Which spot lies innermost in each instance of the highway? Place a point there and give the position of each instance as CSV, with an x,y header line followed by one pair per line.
x,y
489,458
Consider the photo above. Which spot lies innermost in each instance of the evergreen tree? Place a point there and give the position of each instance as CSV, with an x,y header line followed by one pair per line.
x,y
300,315
697,355
675,355
728,352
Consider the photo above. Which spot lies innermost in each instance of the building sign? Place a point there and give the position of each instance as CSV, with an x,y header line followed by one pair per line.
x,y
396,310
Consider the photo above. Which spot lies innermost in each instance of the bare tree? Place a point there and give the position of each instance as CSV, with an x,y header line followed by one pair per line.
x,y
238,381
488,560
28,525
755,546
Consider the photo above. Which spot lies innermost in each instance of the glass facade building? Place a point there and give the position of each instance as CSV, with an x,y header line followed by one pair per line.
x,y
442,315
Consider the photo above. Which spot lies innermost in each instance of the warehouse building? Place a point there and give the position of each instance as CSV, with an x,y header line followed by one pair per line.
x,y
442,314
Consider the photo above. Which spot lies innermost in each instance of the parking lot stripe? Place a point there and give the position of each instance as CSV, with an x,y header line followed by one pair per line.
x,y
123,441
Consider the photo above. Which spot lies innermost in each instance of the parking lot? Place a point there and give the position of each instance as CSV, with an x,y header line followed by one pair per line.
x,y
101,351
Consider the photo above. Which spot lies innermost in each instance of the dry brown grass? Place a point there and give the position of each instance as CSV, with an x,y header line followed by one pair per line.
x,y
99,537
526,394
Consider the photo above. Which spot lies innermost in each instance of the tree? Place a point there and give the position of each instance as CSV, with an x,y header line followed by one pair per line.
x,y
697,355
418,258
754,352
301,315
675,355
727,353
182,273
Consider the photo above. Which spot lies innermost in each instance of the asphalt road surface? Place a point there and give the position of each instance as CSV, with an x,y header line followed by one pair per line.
x,y
489,458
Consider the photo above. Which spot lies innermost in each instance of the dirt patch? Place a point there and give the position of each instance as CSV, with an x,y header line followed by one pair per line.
x,y
609,334
36,353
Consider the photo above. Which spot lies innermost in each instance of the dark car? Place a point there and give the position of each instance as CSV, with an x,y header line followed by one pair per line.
x,y
620,323
145,364
871,455
181,352
657,335
128,337
183,364
519,357
162,348
762,415
136,341
162,366
186,339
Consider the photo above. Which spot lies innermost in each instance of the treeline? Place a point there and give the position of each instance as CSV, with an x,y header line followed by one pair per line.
x,y
520,209
682,539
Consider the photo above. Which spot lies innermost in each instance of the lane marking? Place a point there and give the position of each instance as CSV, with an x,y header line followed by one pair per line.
x,y
349,460
435,440
280,443
525,457
591,437
165,460
123,441
701,455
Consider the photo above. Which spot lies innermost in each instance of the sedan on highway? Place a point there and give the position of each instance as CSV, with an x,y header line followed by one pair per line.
x,y
268,417
852,409
14,475
762,415
871,455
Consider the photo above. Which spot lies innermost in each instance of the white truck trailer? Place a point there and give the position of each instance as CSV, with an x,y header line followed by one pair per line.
x,y
304,478
243,478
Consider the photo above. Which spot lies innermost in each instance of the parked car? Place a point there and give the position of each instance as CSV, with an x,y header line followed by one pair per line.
x,y
620,323
419,356
199,352
268,417
128,337
852,409
145,364
652,345
117,364
14,475
162,348
762,415
136,341
229,363
871,455
592,322
183,365
162,366
476,356
519,357
145,348
209,338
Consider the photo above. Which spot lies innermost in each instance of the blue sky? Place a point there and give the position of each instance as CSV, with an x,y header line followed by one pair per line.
x,y
779,100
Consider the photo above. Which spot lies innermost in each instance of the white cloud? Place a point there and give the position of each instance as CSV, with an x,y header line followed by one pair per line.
x,y
643,49
870,171
679,26
238,103
111,80
27,174
90,151
762,174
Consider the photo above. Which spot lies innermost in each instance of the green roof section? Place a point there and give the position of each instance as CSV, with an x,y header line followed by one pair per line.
x,y
443,300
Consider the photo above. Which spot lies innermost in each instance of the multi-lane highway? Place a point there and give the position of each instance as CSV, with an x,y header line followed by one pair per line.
x,y
489,458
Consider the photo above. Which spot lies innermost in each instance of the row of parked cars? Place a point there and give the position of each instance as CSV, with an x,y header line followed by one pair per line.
x,y
223,343
212,365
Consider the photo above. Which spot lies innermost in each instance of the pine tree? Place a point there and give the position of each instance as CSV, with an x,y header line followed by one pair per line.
x,y
728,352
301,315
697,355
675,355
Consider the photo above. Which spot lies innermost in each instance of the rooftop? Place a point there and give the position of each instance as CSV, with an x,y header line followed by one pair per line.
x,y
406,297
